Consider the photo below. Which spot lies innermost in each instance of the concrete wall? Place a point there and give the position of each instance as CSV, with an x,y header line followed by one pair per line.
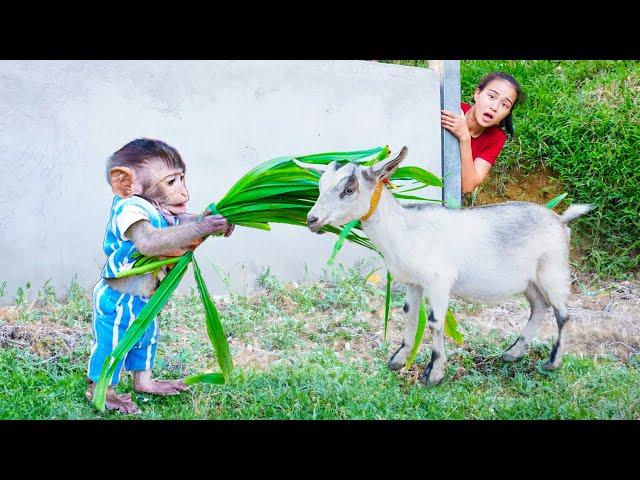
x,y
61,119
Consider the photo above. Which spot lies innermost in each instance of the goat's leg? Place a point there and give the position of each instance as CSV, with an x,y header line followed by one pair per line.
x,y
434,372
411,308
538,308
554,283
555,359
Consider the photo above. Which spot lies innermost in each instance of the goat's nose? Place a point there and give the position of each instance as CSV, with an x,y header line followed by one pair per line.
x,y
311,220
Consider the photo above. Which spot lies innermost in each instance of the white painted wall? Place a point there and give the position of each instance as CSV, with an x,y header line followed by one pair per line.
x,y
60,121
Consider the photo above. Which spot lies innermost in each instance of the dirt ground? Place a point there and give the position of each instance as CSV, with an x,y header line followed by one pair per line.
x,y
605,320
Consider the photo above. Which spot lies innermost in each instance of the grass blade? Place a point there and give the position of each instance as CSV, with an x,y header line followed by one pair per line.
x,y
214,327
212,378
344,233
422,321
451,327
551,204
387,302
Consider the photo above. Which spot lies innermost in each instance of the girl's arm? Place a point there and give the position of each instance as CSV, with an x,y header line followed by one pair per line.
x,y
473,170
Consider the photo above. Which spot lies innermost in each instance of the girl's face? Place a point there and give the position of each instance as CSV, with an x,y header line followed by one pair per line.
x,y
494,102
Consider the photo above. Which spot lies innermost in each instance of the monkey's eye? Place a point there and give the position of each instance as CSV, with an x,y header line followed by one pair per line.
x,y
170,182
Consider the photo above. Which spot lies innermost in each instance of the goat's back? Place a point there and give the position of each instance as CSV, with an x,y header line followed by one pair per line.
x,y
491,250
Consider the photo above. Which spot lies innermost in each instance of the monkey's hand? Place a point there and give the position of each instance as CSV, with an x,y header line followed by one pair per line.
x,y
229,229
215,224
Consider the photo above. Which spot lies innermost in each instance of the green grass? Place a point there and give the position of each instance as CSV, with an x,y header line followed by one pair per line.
x,y
318,385
312,375
581,120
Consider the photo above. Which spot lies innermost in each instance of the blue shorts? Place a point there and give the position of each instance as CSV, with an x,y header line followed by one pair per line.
x,y
113,312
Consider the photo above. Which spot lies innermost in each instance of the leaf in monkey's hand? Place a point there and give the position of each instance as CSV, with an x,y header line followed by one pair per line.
x,y
148,265
214,327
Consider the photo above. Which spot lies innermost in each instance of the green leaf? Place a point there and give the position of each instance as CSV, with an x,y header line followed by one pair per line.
x,y
214,327
417,173
147,267
451,327
261,226
387,302
213,378
344,233
360,156
422,322
555,201
411,197
138,327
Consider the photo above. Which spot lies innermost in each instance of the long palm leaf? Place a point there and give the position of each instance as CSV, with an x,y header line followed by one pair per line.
x,y
214,327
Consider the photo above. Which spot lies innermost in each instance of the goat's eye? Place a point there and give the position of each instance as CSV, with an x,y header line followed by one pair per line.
x,y
349,191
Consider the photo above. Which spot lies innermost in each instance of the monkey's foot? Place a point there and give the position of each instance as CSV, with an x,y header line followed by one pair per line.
x,y
161,387
114,401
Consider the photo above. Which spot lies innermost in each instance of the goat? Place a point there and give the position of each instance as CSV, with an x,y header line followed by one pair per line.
x,y
481,253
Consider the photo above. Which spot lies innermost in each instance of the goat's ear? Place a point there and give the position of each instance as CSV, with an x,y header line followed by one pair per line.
x,y
382,170
318,167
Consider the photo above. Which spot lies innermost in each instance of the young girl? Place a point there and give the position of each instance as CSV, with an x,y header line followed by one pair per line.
x,y
479,127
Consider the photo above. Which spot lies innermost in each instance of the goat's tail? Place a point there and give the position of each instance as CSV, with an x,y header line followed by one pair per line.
x,y
574,211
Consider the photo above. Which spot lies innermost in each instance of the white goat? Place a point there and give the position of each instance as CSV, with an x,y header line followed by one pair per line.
x,y
484,253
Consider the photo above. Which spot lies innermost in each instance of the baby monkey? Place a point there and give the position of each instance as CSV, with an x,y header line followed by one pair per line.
x,y
148,215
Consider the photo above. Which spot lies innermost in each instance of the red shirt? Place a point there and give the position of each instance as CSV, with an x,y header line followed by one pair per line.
x,y
490,142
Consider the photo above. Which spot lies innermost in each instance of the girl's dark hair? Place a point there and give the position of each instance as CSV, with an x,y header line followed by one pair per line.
x,y
142,150
508,120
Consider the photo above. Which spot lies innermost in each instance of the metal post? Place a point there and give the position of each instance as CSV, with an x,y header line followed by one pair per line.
x,y
449,72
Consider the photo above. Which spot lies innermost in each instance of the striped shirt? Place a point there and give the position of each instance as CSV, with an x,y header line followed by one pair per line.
x,y
117,247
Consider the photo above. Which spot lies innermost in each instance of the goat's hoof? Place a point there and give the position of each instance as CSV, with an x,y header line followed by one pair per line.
x,y
429,378
394,365
549,366
515,351
396,361
509,357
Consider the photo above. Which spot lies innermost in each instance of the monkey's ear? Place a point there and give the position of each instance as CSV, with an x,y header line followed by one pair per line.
x,y
122,179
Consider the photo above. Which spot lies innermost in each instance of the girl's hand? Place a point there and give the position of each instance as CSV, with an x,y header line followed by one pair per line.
x,y
457,125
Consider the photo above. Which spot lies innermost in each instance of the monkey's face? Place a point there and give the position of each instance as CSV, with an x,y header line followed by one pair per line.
x,y
166,186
